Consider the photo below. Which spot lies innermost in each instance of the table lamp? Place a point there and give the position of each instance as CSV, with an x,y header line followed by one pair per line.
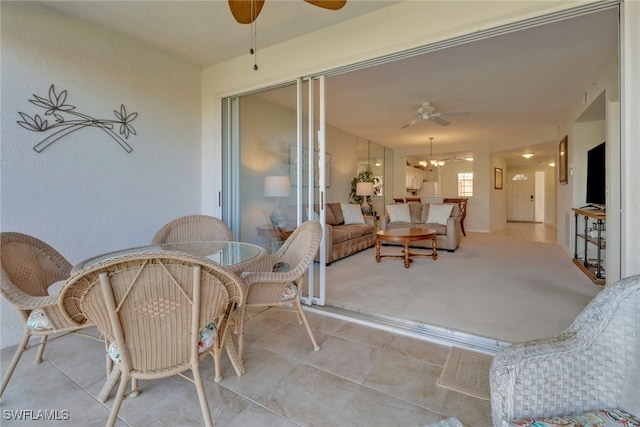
x,y
277,186
364,189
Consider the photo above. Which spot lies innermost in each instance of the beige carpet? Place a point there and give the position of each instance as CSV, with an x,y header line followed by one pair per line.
x,y
496,287
467,372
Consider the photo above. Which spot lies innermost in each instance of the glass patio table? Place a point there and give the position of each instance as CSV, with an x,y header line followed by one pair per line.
x,y
236,256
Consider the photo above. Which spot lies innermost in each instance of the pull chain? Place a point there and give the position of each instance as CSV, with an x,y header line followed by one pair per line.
x,y
254,36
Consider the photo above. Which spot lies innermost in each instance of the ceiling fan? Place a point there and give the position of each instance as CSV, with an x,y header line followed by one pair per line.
x,y
427,112
246,11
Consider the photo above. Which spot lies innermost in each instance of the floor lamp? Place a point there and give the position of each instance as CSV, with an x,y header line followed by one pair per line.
x,y
364,189
277,186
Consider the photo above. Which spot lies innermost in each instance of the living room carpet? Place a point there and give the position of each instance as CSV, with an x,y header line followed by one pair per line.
x,y
497,287
467,372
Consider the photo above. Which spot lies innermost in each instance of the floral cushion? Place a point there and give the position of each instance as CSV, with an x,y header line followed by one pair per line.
x,y
290,292
38,321
599,418
205,341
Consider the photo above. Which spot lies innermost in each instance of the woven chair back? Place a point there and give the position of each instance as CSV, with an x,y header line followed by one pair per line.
x,y
193,228
299,250
30,264
152,307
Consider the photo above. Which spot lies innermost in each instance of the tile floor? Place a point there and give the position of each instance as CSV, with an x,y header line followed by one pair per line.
x,y
360,377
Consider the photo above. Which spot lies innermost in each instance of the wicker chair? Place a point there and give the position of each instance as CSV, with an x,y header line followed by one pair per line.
x,y
29,267
193,228
594,364
162,312
270,286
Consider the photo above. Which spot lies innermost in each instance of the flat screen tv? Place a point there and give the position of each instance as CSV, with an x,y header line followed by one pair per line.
x,y
596,175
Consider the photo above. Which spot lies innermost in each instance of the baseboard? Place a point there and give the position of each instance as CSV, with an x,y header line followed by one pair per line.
x,y
414,329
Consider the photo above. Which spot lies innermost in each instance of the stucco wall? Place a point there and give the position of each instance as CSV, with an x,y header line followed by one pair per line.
x,y
84,194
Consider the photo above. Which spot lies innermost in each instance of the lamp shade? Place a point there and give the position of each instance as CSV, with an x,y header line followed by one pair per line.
x,y
277,186
364,189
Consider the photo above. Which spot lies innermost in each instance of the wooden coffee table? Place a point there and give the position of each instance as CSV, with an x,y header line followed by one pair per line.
x,y
407,235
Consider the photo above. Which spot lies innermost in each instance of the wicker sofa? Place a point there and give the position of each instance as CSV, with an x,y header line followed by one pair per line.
x,y
342,239
449,230
589,372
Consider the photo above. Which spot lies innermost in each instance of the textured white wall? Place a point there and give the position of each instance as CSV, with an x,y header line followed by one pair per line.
x,y
84,194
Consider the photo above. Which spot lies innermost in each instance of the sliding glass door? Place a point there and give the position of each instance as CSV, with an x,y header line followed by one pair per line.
x,y
273,168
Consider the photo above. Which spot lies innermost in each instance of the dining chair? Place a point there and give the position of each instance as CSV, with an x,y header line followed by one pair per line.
x,y
276,279
29,268
193,228
161,313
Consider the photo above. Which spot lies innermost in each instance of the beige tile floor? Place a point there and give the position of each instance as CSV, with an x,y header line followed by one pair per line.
x,y
360,377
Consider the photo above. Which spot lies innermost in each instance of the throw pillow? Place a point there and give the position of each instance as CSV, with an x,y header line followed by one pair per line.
x,y
439,214
399,212
351,213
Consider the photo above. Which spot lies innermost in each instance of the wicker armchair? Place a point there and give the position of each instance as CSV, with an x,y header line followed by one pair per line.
x,y
594,364
162,312
29,267
193,228
275,280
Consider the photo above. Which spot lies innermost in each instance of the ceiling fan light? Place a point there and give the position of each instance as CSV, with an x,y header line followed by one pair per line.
x,y
527,155
441,163
434,162
423,163
552,164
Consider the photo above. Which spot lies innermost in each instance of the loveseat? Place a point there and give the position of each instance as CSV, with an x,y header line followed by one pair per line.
x,y
346,232
444,218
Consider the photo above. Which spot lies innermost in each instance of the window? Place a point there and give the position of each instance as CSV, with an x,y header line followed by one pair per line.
x,y
465,184
520,177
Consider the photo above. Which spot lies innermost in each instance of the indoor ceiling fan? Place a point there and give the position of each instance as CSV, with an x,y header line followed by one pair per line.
x,y
246,11
427,112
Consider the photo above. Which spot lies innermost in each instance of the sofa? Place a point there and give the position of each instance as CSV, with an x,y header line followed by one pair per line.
x,y
444,218
346,232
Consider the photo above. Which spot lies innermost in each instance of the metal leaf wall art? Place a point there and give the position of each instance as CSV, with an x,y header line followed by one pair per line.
x,y
66,120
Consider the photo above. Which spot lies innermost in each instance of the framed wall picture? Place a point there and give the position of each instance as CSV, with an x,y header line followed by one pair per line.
x,y
497,178
563,162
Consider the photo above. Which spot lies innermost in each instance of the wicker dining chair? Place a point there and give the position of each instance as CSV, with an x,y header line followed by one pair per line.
x,y
193,228
593,365
275,280
162,312
29,268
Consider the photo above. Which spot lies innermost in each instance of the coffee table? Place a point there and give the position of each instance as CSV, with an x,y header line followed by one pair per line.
x,y
406,235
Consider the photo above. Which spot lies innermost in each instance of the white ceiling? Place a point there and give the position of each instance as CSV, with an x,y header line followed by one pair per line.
x,y
513,85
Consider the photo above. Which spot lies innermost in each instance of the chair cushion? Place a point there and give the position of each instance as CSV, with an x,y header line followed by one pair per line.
x,y
439,214
290,292
597,418
399,212
38,321
207,336
351,213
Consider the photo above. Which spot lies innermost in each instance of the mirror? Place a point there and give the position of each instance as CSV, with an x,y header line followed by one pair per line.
x,y
379,159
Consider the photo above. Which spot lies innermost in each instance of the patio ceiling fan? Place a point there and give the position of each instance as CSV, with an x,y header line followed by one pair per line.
x,y
427,112
246,11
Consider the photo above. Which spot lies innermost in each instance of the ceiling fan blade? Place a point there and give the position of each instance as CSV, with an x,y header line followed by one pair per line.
x,y
440,121
328,4
245,11
409,124
455,113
